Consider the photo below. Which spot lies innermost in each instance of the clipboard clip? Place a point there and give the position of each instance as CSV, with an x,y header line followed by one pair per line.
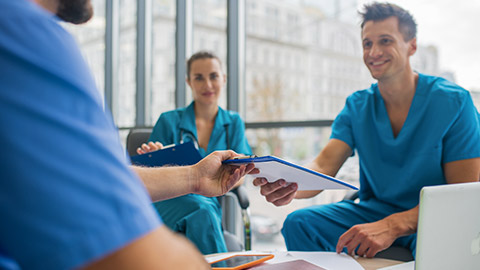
x,y
245,157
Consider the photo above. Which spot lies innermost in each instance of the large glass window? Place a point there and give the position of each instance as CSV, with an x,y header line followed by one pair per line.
x,y
162,96
91,39
124,96
210,33
300,63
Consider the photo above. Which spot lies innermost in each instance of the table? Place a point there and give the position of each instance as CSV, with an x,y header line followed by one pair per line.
x,y
375,263
367,263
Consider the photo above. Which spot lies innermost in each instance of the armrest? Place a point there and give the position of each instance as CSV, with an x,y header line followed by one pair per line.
x,y
242,196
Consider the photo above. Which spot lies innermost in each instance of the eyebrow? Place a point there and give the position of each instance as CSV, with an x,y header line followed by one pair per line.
x,y
381,36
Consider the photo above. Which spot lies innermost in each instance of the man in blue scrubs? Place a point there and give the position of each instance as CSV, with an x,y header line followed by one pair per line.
x,y
410,130
72,200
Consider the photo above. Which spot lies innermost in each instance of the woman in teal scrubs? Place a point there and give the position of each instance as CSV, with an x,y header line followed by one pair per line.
x,y
210,128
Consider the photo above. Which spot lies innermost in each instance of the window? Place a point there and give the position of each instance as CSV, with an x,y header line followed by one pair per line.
x,y
210,26
162,96
91,39
124,99
278,100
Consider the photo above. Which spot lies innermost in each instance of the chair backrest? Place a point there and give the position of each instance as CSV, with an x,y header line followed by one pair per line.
x,y
135,138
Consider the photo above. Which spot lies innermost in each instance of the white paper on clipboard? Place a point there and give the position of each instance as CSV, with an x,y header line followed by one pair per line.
x,y
273,168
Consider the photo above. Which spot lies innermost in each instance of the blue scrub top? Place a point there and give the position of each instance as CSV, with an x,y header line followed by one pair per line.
x,y
174,126
67,195
442,126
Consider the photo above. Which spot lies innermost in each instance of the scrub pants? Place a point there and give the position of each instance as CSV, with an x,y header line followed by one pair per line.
x,y
318,228
198,217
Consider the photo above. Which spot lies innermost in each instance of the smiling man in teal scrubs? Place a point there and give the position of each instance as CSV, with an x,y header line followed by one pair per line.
x,y
410,130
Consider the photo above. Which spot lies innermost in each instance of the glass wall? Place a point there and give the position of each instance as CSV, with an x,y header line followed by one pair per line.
x,y
301,64
162,95
91,38
302,59
124,105
210,33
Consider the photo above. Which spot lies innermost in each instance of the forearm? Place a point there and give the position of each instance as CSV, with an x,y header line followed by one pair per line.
x,y
165,183
403,223
305,194
327,162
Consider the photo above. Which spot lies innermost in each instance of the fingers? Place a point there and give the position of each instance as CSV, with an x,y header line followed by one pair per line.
x,y
343,240
250,169
154,146
150,147
283,196
234,177
278,193
159,145
259,181
227,154
358,239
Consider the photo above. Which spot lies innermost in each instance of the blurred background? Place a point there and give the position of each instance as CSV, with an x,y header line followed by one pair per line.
x,y
290,65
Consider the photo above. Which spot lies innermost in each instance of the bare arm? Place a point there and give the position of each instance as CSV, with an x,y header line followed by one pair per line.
x,y
328,162
160,249
377,236
208,177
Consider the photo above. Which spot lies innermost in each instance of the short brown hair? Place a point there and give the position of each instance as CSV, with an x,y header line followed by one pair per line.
x,y
200,55
380,11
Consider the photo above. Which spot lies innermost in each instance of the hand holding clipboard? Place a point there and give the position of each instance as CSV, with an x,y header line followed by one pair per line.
x,y
273,168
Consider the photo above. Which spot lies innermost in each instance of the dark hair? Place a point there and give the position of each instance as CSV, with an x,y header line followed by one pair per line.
x,y
380,11
200,55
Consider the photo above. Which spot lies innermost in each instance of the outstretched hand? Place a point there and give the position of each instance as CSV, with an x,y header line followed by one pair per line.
x,y
212,178
149,147
278,193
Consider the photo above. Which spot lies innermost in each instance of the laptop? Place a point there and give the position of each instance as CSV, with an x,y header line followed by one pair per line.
x,y
448,233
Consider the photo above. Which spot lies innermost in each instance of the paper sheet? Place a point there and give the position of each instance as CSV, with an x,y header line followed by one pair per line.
x,y
273,168
327,260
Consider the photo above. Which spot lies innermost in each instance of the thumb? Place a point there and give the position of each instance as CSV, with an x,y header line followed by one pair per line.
x,y
228,154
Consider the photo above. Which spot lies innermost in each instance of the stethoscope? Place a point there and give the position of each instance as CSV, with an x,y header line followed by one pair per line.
x,y
187,134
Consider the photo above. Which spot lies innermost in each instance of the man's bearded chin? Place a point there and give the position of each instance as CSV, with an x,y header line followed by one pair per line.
x,y
75,11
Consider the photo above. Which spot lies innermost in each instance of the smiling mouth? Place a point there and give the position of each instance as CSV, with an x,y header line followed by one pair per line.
x,y
378,63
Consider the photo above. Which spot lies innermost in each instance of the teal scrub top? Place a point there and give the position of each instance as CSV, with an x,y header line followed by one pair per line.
x,y
177,126
442,126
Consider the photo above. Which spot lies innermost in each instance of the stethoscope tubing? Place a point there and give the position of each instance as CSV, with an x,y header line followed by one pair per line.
x,y
195,141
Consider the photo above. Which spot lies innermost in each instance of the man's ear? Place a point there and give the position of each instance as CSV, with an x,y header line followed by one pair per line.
x,y
412,46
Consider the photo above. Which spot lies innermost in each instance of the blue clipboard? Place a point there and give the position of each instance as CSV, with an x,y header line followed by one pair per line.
x,y
179,155
274,168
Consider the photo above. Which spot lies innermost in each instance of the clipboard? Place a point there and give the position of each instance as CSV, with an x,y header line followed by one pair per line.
x,y
274,168
179,155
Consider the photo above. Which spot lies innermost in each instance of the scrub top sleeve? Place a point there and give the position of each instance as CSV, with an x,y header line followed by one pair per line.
x,y
60,208
462,140
162,131
342,126
239,142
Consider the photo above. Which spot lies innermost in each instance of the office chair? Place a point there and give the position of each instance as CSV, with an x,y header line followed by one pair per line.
x,y
394,252
230,202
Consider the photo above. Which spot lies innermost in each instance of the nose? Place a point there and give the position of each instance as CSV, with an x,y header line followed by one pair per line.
x,y
375,51
208,83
